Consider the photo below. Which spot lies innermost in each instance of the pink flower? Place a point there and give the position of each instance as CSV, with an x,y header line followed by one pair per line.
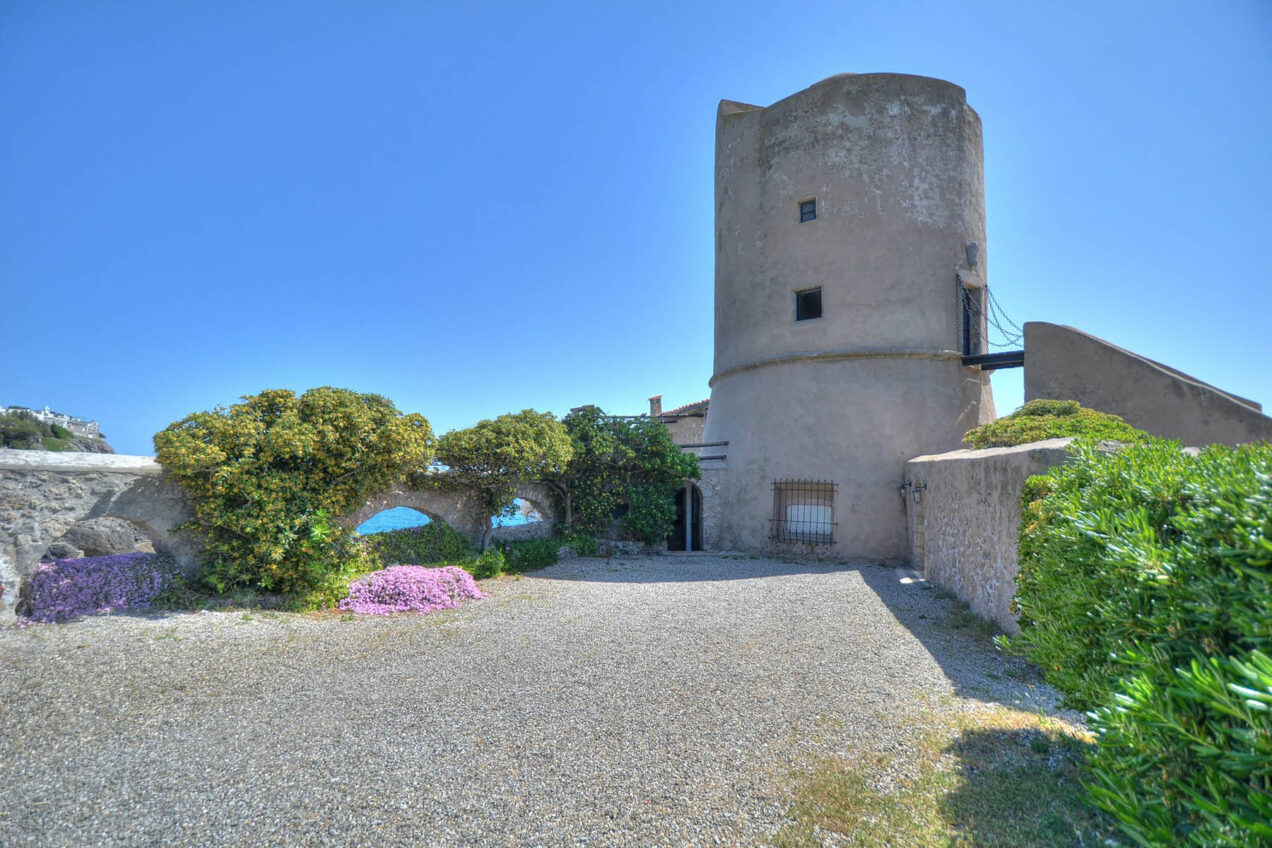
x,y
410,588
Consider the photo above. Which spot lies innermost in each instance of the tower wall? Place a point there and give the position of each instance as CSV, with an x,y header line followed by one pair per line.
x,y
894,165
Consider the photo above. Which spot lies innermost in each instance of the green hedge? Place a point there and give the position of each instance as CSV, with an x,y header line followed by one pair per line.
x,y
1052,419
437,542
1187,759
432,543
1145,591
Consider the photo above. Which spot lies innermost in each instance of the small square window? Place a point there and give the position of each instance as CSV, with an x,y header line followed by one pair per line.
x,y
807,210
807,304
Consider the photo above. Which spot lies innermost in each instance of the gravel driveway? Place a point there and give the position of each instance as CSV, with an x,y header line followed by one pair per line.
x,y
634,701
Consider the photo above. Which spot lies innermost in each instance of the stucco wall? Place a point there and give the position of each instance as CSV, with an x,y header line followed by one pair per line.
x,y
895,165
1062,363
853,422
963,526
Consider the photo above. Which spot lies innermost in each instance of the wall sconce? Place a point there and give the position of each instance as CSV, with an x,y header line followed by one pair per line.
x,y
973,253
905,489
916,492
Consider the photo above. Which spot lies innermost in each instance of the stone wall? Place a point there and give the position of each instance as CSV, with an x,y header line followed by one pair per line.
x,y
43,495
1062,363
963,512
461,509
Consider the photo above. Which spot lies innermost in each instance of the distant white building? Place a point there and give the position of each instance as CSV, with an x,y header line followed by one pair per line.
x,y
77,426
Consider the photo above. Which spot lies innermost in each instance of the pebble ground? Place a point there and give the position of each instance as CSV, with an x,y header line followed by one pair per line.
x,y
653,701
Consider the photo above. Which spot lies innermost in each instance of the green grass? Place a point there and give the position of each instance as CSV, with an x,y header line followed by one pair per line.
x,y
997,778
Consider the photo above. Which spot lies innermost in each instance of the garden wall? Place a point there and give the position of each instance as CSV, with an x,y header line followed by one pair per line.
x,y
44,494
963,516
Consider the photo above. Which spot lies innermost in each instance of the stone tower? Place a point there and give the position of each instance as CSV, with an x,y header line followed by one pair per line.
x,y
850,233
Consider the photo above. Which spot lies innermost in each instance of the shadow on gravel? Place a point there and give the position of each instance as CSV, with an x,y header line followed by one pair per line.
x,y
958,639
680,568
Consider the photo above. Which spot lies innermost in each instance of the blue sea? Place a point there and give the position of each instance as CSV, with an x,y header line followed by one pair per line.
x,y
401,517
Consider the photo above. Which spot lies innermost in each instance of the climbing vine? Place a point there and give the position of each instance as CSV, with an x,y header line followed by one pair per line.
x,y
624,469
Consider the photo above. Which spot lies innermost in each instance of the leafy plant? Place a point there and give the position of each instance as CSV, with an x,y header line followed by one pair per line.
x,y
581,544
432,543
1144,590
267,475
489,563
530,554
493,456
626,467
21,430
1188,760
1052,419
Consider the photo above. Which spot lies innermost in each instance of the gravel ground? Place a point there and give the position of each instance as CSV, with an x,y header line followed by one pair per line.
x,y
634,701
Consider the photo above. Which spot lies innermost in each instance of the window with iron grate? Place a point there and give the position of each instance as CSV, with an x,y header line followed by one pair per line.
x,y
803,511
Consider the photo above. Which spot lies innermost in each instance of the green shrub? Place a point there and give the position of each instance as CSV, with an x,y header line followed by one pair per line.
x,y
581,544
492,457
60,432
1088,552
265,477
1148,549
621,466
1052,419
530,554
491,563
1144,590
1188,760
435,542
21,430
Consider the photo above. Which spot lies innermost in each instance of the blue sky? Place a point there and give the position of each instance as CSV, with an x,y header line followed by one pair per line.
x,y
478,208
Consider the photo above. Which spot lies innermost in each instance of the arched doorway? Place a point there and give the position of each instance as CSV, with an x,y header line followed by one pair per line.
x,y
686,534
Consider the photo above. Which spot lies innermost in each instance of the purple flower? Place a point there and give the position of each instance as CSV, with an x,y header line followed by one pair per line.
x,y
410,588
67,588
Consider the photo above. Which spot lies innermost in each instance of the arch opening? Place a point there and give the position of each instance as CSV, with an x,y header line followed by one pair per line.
x,y
520,513
394,518
686,533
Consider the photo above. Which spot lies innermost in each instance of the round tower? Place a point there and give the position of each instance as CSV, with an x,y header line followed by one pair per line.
x,y
850,233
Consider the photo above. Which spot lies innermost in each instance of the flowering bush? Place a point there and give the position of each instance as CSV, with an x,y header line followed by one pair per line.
x,y
410,588
67,588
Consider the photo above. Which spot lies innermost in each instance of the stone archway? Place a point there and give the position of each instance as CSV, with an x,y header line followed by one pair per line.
x,y
460,509
42,495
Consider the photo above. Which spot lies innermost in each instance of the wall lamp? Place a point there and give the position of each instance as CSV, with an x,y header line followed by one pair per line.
x,y
916,492
973,253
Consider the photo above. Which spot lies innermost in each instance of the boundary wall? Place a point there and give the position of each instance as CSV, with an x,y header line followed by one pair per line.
x,y
44,494
1063,363
963,515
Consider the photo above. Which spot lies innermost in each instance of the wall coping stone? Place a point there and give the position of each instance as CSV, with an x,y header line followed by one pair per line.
x,y
37,460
